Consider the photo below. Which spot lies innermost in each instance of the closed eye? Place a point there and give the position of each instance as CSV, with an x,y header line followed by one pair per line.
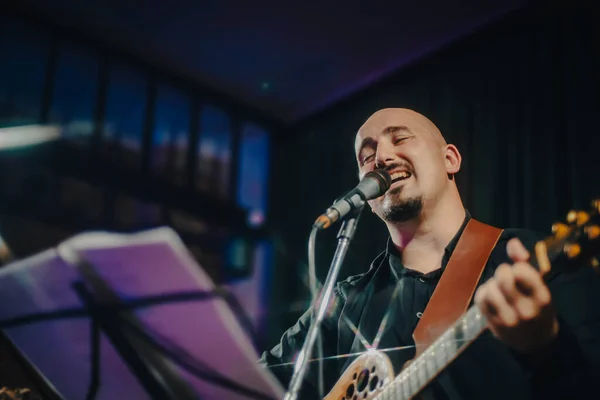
x,y
367,159
398,140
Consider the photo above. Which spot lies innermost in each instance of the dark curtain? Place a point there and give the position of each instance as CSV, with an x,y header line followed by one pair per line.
x,y
520,100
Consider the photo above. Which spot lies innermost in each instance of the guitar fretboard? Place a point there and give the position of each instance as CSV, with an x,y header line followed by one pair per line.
x,y
436,358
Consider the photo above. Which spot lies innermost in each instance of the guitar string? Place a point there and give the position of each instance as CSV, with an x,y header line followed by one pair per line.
x,y
347,355
339,356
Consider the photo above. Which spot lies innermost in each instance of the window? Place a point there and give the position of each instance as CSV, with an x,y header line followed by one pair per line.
x,y
252,189
171,133
24,53
238,258
214,152
253,292
252,194
124,120
75,93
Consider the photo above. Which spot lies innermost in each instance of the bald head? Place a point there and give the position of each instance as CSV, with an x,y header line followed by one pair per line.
x,y
420,162
388,118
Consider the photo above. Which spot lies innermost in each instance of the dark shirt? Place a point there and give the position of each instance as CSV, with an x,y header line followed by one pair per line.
x,y
488,369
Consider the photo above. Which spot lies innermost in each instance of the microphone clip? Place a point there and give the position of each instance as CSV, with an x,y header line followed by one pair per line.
x,y
349,204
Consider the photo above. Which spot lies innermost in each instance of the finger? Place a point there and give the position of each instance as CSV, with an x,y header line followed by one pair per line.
x,y
505,278
494,306
530,284
518,285
516,251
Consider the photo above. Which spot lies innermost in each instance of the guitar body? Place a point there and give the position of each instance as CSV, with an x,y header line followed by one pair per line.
x,y
364,379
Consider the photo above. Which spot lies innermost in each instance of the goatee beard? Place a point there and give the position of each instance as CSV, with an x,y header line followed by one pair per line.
x,y
404,211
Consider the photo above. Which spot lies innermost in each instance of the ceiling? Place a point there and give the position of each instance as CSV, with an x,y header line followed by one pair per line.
x,y
287,59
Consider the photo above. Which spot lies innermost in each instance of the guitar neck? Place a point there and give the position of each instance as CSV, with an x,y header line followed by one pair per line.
x,y
436,358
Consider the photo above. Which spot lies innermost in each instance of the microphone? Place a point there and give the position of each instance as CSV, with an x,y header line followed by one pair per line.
x,y
373,185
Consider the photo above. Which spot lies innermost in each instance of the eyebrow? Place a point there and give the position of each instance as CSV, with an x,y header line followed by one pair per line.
x,y
370,142
393,129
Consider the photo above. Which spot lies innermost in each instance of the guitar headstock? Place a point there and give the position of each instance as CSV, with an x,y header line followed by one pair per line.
x,y
574,243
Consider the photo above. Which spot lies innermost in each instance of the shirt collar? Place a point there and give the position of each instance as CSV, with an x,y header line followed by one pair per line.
x,y
396,259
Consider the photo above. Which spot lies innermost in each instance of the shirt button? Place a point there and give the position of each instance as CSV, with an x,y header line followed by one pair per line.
x,y
422,280
419,314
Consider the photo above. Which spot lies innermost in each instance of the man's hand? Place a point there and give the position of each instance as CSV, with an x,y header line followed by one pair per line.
x,y
517,304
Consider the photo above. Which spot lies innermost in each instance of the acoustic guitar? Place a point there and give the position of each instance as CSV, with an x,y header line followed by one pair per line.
x,y
371,376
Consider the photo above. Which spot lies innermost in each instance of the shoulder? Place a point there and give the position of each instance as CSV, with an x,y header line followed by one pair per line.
x,y
343,288
359,281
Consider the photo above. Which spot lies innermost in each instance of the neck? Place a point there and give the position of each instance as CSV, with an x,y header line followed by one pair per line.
x,y
422,241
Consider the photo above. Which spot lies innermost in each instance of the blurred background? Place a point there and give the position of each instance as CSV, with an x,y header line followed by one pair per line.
x,y
234,122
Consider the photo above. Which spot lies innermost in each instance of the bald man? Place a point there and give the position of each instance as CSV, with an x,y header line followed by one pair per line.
x,y
538,345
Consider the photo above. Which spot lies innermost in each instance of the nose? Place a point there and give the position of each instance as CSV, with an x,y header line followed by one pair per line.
x,y
384,155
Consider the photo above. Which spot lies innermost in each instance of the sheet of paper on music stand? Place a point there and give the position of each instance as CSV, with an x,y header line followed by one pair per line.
x,y
60,349
145,264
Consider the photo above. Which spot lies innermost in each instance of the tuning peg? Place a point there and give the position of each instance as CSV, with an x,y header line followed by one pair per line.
x,y
579,217
572,250
596,205
560,230
592,232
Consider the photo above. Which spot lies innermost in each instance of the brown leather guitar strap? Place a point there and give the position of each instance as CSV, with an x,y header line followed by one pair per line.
x,y
456,287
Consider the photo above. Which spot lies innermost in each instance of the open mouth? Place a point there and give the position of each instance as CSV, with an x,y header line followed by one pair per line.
x,y
400,176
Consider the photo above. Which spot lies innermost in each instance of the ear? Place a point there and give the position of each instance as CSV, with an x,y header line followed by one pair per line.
x,y
453,159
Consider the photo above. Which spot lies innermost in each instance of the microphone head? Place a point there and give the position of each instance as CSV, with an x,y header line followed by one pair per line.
x,y
375,184
384,178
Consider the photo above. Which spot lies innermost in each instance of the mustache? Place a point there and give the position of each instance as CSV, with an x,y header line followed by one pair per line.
x,y
397,166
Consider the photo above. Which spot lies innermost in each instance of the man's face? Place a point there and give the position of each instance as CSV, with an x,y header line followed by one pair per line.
x,y
412,150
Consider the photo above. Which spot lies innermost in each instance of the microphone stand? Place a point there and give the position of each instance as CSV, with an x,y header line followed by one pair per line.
x,y
344,237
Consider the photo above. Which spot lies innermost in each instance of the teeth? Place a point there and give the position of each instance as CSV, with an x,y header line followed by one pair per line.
x,y
400,175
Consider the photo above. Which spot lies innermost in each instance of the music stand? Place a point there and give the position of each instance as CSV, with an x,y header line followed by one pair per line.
x,y
98,273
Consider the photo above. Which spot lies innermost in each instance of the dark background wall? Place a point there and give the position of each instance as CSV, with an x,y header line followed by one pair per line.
x,y
520,99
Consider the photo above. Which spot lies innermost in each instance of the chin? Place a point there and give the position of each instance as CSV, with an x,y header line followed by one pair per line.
x,y
401,209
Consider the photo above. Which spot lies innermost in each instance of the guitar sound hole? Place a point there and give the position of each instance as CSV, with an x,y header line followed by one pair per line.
x,y
362,381
350,391
373,383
